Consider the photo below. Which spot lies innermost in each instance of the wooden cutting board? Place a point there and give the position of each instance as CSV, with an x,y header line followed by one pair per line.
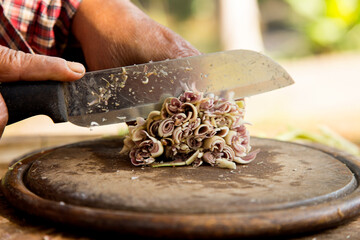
x,y
289,188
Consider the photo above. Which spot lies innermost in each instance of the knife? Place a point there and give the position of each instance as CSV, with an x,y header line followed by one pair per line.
x,y
125,93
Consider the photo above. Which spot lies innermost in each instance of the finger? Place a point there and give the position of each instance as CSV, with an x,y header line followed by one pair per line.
x,y
177,45
185,49
17,65
3,115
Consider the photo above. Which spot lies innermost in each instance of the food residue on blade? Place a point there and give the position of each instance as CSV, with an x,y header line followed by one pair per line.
x,y
94,124
145,80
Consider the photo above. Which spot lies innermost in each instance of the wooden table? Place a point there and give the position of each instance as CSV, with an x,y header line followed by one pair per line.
x,y
18,225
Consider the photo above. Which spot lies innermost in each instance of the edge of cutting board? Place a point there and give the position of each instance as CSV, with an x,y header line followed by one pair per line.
x,y
275,222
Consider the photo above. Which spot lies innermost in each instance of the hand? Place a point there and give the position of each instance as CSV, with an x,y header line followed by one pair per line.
x,y
116,33
20,66
3,115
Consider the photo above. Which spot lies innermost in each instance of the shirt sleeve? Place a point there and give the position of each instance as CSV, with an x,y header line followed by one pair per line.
x,y
10,36
62,28
39,26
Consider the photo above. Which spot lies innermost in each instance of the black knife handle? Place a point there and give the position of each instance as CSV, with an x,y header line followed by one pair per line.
x,y
27,99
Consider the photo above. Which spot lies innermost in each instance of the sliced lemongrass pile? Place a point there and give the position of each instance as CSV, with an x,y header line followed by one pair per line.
x,y
190,130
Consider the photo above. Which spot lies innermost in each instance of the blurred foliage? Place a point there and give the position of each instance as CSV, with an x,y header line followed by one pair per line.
x,y
291,28
194,20
329,25
325,136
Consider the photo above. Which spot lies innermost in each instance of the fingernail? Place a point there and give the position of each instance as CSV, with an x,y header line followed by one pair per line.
x,y
76,67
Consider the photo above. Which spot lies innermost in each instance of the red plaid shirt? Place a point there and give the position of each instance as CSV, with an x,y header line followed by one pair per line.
x,y
36,26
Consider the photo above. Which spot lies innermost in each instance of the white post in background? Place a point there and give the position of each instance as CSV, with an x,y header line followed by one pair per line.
x,y
240,25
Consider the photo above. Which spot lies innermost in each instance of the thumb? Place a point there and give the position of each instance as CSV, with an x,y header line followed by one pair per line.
x,y
3,115
17,65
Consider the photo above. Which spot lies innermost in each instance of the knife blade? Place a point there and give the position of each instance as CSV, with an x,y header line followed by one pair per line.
x,y
125,93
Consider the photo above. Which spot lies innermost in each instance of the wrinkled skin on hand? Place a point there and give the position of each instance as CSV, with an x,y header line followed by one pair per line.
x,y
117,33
20,66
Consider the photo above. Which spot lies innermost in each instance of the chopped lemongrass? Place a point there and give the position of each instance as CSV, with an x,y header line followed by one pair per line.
x,y
223,163
191,159
190,129
168,164
241,103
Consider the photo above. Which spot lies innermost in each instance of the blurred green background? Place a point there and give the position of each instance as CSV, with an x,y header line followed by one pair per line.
x,y
195,20
290,28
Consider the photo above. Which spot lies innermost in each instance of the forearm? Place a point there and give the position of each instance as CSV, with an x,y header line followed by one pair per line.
x,y
100,21
118,33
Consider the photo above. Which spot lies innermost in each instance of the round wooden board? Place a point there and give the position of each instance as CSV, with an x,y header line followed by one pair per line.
x,y
289,188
